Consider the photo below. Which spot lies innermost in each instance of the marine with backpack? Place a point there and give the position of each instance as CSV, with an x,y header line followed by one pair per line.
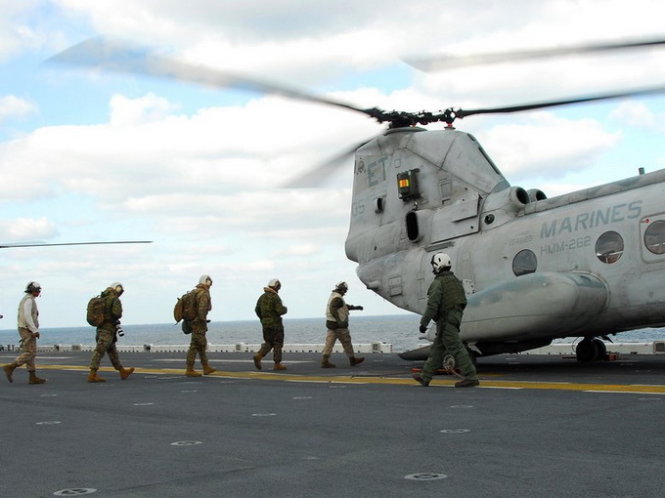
x,y
196,304
104,312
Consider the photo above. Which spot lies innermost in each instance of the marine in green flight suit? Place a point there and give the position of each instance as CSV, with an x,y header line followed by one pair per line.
x,y
269,309
445,305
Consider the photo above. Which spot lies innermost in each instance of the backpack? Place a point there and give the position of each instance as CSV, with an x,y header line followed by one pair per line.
x,y
95,312
185,307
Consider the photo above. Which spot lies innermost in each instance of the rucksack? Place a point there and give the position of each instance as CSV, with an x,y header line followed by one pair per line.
x,y
185,307
95,313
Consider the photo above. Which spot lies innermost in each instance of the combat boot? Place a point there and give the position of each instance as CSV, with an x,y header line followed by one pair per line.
x,y
190,372
257,360
356,361
418,378
9,371
207,370
34,379
93,377
125,372
279,366
325,362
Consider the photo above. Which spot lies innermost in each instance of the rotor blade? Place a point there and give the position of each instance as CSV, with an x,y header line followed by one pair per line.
x,y
440,62
6,246
317,175
113,56
461,113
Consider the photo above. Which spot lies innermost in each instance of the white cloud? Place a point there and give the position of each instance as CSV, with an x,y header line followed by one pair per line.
x,y
637,114
13,106
304,41
132,112
546,145
144,151
26,230
200,179
15,33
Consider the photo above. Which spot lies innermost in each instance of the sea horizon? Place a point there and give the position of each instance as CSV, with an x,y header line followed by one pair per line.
x,y
401,331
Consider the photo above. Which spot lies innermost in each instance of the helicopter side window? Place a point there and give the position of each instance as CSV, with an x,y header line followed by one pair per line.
x,y
412,229
609,247
524,262
654,237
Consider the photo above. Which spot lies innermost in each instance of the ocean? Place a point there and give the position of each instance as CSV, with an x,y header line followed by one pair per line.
x,y
401,331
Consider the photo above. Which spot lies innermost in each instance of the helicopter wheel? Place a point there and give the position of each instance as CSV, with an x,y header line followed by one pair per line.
x,y
589,350
601,349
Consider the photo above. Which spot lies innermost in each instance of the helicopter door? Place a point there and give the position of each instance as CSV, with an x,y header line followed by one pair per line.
x,y
457,219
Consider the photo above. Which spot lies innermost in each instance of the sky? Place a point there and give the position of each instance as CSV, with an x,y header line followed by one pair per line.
x,y
88,155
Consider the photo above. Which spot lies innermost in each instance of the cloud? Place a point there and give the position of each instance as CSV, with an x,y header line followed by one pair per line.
x,y
198,171
131,112
305,42
15,32
637,114
13,106
146,152
546,145
26,230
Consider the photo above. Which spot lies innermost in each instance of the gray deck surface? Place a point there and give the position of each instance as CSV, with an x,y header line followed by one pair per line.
x,y
537,426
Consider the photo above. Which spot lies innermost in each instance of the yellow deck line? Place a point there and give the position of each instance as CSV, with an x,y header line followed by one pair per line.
x,y
345,379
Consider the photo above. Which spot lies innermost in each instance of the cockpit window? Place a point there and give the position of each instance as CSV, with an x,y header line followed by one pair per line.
x,y
654,237
524,262
609,247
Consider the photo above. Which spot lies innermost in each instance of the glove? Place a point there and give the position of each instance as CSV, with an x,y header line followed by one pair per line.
x,y
423,329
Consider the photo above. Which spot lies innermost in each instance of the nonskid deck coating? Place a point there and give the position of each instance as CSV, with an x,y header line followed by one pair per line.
x,y
553,428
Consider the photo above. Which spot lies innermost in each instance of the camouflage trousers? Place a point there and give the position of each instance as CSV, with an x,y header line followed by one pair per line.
x,y
105,344
28,350
448,342
273,338
344,337
198,344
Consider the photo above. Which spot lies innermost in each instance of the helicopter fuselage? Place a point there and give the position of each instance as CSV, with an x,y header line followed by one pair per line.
x,y
587,263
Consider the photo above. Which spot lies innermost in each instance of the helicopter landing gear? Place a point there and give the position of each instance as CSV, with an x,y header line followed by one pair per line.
x,y
590,349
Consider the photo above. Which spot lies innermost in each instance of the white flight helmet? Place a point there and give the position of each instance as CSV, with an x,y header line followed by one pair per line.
x,y
275,284
440,262
206,280
33,287
118,287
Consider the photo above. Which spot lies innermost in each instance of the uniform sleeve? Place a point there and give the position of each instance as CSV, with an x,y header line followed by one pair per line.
x,y
203,305
27,315
280,309
116,309
434,297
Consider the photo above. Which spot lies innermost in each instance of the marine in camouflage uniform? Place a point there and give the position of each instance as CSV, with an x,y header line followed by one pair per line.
x,y
199,326
269,309
106,336
28,329
445,304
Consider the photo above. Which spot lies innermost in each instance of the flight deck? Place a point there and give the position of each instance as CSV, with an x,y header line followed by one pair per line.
x,y
537,426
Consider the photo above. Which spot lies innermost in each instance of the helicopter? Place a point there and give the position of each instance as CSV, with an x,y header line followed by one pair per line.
x,y
584,264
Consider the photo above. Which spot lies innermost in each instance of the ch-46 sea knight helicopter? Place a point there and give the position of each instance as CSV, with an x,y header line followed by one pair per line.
x,y
585,264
